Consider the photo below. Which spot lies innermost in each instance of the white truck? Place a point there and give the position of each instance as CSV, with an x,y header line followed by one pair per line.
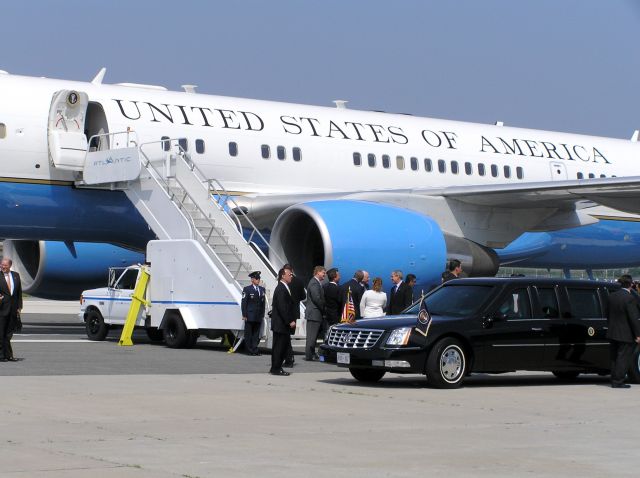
x,y
185,300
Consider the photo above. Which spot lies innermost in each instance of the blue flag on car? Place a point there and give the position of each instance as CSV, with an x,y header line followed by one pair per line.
x,y
424,318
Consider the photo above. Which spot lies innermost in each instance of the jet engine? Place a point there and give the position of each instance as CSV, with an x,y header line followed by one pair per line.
x,y
376,237
62,270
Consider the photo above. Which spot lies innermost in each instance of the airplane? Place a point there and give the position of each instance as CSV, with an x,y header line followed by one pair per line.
x,y
327,185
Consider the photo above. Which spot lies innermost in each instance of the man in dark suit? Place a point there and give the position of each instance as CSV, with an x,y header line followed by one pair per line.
x,y
10,308
282,322
624,330
253,305
332,304
298,294
314,312
401,295
356,292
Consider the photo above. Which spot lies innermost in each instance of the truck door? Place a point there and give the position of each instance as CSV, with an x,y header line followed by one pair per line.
x,y
66,129
122,291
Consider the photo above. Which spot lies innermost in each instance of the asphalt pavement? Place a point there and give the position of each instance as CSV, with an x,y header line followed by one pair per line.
x,y
76,408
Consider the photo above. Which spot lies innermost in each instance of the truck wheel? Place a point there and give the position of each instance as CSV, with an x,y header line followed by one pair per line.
x,y
175,332
634,370
155,334
367,375
447,364
95,326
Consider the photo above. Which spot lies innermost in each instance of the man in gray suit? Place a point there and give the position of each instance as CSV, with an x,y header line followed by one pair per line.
x,y
314,312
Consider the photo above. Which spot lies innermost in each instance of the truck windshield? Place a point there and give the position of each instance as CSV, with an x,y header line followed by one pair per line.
x,y
456,300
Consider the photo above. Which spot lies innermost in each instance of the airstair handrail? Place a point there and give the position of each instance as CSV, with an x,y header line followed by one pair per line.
x,y
160,179
220,192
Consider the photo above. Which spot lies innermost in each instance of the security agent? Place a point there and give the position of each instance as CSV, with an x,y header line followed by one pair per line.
x,y
253,306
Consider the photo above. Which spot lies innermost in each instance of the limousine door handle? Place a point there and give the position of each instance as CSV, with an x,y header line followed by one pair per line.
x,y
536,329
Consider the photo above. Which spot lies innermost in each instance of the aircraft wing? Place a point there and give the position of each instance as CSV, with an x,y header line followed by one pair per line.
x,y
617,193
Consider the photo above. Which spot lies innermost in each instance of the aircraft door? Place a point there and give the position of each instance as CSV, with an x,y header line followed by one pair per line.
x,y
66,125
558,171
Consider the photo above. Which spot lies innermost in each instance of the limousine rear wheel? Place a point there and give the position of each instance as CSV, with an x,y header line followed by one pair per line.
x,y
367,375
447,364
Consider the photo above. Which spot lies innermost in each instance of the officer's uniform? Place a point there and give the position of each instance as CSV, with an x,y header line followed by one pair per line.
x,y
253,306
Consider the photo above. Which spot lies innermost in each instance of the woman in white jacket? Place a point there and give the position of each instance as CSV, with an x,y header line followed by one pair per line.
x,y
373,301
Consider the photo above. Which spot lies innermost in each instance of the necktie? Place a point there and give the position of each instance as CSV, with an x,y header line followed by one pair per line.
x,y
257,290
6,277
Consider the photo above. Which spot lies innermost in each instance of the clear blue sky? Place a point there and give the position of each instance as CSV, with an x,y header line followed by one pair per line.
x,y
569,65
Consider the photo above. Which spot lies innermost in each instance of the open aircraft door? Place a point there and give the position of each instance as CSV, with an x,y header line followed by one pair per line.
x,y
66,129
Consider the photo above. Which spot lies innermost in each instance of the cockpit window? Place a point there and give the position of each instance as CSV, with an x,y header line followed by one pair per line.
x,y
3,131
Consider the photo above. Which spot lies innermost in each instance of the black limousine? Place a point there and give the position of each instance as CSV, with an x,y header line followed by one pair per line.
x,y
489,325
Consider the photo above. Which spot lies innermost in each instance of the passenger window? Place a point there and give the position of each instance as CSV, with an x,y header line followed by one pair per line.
x,y
507,171
519,172
494,170
428,165
281,152
580,176
3,131
516,305
468,169
603,176
266,151
591,175
454,167
183,144
442,166
386,161
481,169
128,280
166,144
548,303
371,159
233,149
414,164
584,303
200,146
357,159
297,154
400,162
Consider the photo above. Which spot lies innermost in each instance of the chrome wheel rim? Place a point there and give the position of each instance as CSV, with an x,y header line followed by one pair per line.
x,y
451,363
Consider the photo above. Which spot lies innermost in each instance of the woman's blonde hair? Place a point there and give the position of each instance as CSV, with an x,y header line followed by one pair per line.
x,y
377,284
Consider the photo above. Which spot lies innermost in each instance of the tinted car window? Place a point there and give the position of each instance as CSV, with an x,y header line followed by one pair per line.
x,y
516,305
455,300
584,303
548,302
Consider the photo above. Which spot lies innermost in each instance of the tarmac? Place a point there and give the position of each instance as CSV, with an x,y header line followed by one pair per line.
x,y
152,418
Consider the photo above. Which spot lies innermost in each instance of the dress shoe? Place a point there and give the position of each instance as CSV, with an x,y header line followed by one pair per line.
x,y
288,364
13,359
280,372
620,385
3,360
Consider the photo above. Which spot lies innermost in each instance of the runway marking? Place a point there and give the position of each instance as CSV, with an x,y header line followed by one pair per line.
x,y
57,341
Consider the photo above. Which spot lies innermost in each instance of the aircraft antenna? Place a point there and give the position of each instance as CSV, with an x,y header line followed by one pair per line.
x,y
98,78
189,88
636,133
341,104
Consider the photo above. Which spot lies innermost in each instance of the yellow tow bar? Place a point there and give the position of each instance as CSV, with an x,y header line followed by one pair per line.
x,y
137,300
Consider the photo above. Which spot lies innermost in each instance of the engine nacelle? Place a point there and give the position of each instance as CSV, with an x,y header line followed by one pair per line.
x,y
59,270
355,235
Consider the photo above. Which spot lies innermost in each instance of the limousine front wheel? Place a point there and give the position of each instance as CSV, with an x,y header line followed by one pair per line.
x,y
447,364
366,375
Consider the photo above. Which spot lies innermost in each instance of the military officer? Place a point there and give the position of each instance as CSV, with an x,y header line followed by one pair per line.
x,y
253,305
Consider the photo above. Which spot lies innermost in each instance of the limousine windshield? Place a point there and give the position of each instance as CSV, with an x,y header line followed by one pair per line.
x,y
455,300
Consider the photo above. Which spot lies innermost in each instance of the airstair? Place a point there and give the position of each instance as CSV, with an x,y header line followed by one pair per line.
x,y
180,203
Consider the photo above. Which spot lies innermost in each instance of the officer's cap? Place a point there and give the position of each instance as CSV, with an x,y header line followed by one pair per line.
x,y
255,275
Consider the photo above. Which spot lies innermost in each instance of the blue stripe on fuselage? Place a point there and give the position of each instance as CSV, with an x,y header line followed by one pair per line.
x,y
37,211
